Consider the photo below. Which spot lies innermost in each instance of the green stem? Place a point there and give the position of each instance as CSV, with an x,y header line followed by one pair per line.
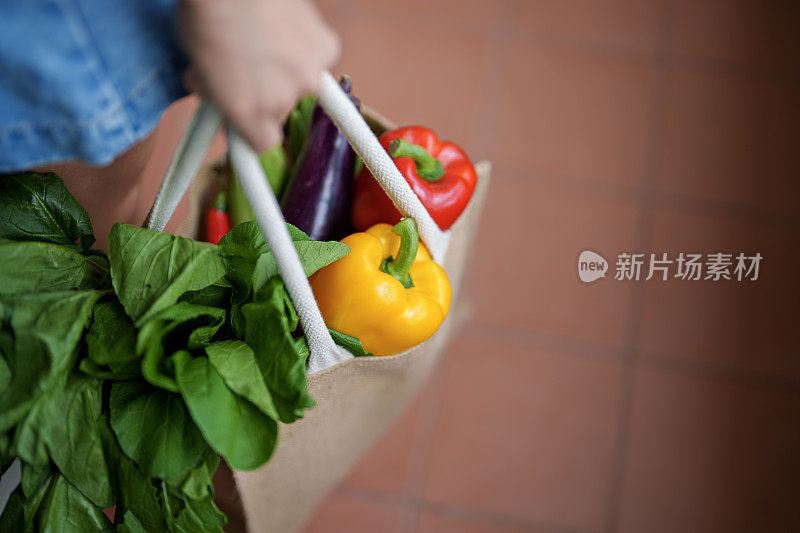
x,y
166,501
409,242
428,167
220,202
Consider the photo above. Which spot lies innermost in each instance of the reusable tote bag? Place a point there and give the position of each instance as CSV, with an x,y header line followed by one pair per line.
x,y
357,398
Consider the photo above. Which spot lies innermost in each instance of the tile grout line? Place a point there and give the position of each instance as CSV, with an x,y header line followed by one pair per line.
x,y
381,497
661,362
416,472
573,346
687,203
597,351
643,240
492,82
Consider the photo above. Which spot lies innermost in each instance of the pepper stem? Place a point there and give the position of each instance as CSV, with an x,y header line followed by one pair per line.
x,y
220,201
428,167
409,242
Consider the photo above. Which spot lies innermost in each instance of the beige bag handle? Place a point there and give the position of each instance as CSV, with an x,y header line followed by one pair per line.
x,y
189,155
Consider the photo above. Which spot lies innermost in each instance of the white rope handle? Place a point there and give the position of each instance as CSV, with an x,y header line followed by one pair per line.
x,y
346,116
184,165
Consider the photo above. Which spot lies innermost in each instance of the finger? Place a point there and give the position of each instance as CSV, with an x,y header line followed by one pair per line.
x,y
260,135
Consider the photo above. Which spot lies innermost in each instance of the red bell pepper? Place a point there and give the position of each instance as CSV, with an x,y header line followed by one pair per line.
x,y
439,173
218,222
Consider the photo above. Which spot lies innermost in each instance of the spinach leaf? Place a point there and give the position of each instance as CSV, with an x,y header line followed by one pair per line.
x,y
20,512
5,373
236,364
65,509
37,207
250,261
216,295
111,344
13,516
197,482
183,325
116,372
112,337
247,235
73,439
231,425
197,516
63,425
131,524
351,344
135,493
46,330
301,345
154,429
268,331
313,256
150,270
33,477
32,267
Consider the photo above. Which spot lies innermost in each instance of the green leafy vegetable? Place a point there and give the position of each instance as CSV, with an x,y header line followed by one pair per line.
x,y
198,515
20,512
29,267
252,264
124,378
233,426
313,255
268,333
136,494
236,364
150,270
64,421
37,207
154,429
65,509
197,482
195,324
46,330
352,344
112,337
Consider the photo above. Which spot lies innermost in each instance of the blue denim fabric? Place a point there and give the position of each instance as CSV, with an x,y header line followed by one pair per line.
x,y
83,79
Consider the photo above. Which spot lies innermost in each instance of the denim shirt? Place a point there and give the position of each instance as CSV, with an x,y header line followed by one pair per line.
x,y
83,79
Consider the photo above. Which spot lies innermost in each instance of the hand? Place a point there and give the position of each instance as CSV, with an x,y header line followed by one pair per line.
x,y
255,58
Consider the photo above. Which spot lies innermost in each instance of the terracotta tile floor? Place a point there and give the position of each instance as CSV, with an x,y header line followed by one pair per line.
x,y
643,126
617,126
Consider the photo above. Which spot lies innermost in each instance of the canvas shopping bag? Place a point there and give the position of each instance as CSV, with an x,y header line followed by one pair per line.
x,y
357,398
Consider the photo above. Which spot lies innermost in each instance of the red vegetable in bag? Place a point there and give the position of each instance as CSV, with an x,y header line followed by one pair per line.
x,y
439,173
218,222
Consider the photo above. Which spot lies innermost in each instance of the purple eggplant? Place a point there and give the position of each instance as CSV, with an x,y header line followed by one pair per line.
x,y
318,195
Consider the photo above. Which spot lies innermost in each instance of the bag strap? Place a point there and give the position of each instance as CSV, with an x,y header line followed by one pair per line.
x,y
184,165
189,155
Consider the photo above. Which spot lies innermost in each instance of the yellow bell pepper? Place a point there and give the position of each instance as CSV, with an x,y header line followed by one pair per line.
x,y
387,291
